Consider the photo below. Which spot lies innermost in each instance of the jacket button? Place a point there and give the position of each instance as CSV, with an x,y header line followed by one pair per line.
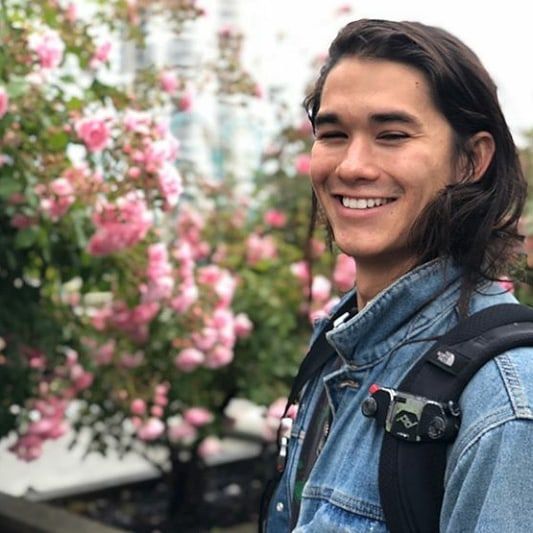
x,y
279,507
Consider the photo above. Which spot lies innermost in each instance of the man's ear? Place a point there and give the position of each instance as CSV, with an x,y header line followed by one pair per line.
x,y
482,147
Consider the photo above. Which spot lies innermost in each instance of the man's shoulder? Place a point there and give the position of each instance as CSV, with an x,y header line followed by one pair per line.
x,y
499,394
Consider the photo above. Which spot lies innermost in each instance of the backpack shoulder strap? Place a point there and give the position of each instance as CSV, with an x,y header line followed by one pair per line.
x,y
411,474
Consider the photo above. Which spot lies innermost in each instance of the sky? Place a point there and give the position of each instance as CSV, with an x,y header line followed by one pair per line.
x,y
284,36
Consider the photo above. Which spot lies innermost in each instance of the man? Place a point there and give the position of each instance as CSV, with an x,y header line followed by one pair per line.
x,y
418,177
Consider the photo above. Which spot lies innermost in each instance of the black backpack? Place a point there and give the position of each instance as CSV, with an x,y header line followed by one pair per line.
x,y
421,417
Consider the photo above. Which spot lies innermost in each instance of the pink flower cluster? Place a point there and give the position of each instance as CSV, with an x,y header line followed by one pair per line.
x,y
132,321
49,48
170,185
170,83
159,275
56,198
50,425
260,248
188,249
181,428
153,150
152,427
119,225
212,345
322,301
184,429
47,419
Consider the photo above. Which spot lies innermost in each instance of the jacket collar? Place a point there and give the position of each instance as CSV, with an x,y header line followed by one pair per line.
x,y
397,313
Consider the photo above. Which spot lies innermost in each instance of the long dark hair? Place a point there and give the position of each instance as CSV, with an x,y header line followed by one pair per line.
x,y
473,221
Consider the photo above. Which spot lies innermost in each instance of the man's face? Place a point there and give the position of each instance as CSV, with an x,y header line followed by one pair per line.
x,y
382,152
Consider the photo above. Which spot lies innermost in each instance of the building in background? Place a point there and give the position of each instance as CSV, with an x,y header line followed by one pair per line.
x,y
219,136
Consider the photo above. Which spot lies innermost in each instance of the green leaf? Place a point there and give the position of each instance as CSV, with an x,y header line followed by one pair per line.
x,y
8,187
58,141
16,87
26,237
75,104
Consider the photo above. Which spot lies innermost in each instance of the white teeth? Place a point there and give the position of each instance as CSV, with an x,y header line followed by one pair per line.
x,y
364,203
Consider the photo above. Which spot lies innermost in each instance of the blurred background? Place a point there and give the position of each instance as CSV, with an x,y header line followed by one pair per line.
x,y
155,293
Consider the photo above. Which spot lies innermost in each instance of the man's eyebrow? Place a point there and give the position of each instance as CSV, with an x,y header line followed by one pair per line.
x,y
395,116
333,119
323,119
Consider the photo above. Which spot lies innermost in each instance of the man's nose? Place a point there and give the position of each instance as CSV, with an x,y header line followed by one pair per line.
x,y
358,161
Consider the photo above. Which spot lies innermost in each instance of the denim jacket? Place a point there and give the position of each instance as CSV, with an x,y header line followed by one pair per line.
x,y
489,474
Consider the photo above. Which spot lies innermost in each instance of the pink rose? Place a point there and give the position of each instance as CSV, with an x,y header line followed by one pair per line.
x,y
144,313
61,187
138,407
300,269
4,102
101,55
82,380
243,325
188,295
344,272
179,430
219,356
170,185
151,430
185,101
119,225
131,360
275,218
157,411
28,447
162,389
104,354
137,121
20,221
158,152
321,288
209,446
325,310
94,132
71,13
188,359
49,48
260,248
205,339
168,81
303,164
198,416
134,172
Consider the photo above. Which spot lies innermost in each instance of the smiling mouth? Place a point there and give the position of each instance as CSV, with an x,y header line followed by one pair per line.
x,y
364,203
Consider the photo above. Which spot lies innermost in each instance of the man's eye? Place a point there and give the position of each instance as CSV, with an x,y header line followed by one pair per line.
x,y
393,136
331,135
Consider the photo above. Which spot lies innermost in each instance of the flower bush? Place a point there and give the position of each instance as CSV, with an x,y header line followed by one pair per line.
x,y
145,310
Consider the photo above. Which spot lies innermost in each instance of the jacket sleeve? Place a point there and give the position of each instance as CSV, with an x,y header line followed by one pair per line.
x,y
490,488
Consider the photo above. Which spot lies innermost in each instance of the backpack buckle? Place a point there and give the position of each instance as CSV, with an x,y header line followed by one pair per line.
x,y
410,417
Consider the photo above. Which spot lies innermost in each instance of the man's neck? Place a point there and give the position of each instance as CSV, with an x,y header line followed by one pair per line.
x,y
373,277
